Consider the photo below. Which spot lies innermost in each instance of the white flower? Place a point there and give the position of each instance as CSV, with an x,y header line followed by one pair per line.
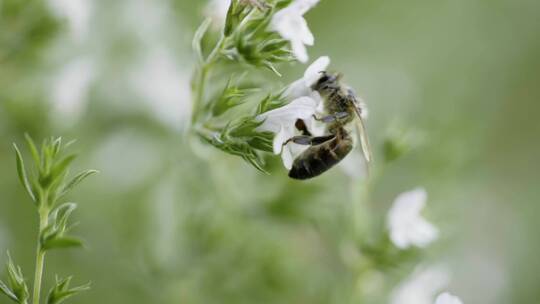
x,y
217,11
305,103
446,298
302,86
281,121
406,225
421,287
161,84
69,91
291,25
354,165
77,14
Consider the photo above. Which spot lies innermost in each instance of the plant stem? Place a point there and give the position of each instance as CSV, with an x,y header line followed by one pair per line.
x,y
202,74
40,255
199,92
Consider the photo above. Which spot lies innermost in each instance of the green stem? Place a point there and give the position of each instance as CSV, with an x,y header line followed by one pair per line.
x,y
202,75
40,255
199,92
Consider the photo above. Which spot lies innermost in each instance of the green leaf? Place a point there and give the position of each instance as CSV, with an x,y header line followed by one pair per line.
x,y
16,281
238,147
197,39
61,291
282,3
33,150
271,102
231,96
244,127
22,173
271,67
61,215
237,12
263,141
62,242
77,180
8,292
61,167
230,21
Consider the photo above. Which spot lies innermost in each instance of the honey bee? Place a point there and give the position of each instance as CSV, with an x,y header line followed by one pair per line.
x,y
342,108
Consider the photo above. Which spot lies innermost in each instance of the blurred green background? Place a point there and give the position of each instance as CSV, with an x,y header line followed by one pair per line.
x,y
170,220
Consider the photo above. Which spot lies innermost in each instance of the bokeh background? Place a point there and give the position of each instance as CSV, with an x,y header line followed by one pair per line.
x,y
170,220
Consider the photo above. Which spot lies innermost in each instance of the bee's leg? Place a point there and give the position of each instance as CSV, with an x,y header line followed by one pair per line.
x,y
307,140
331,118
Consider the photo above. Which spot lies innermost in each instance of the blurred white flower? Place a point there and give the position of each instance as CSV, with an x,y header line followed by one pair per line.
x,y
161,84
354,165
77,13
127,159
281,121
446,298
302,86
69,90
291,25
421,287
217,11
406,225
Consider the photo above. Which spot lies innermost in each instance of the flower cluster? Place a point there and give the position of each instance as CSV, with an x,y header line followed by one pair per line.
x,y
304,103
259,34
407,228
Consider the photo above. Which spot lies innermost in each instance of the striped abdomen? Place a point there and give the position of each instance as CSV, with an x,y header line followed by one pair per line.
x,y
318,159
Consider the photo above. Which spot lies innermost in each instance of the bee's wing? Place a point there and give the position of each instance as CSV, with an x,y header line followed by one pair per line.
x,y
362,135
360,127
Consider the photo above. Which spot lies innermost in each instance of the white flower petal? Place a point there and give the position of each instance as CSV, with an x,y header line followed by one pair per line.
x,y
354,165
422,233
69,92
446,298
406,225
279,139
290,152
291,25
302,87
313,72
297,89
407,204
217,11
300,108
287,158
421,287
77,13
300,51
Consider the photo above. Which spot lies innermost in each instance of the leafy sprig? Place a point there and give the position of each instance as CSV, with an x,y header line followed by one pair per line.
x,y
245,40
46,183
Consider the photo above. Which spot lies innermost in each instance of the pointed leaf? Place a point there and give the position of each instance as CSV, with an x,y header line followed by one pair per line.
x,y
33,150
76,180
5,290
22,173
62,214
62,242
16,281
61,167
197,39
61,291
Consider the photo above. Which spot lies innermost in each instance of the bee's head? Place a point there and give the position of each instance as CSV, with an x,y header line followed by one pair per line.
x,y
326,82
